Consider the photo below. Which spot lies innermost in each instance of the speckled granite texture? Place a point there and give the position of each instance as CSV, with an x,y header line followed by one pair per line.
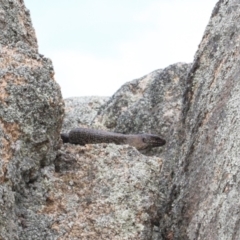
x,y
188,189
31,113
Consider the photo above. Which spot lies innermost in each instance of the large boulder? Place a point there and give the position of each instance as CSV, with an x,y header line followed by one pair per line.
x,y
31,112
205,196
202,154
150,104
105,191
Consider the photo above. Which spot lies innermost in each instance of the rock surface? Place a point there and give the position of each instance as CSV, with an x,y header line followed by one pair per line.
x,y
207,185
104,192
133,101
128,96
150,104
188,190
80,111
31,112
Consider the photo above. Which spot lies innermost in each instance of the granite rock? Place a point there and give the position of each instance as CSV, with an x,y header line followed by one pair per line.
x,y
104,191
150,104
206,188
189,189
156,109
31,113
80,111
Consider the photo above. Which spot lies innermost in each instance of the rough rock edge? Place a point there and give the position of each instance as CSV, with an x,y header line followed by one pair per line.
x,y
31,112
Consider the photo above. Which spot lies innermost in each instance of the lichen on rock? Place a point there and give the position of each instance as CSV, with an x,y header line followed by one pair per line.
x,y
187,189
31,113
80,111
105,191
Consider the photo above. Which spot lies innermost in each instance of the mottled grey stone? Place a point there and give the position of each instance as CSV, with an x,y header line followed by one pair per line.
x,y
15,24
128,96
205,194
80,111
188,190
151,104
104,191
157,109
31,113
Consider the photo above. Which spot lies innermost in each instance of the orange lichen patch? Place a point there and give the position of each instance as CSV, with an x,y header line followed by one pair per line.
x,y
170,236
10,134
3,93
205,119
32,63
217,72
9,78
12,58
53,205
12,129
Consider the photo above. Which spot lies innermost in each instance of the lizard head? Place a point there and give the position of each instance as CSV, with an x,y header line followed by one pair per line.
x,y
143,141
151,140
